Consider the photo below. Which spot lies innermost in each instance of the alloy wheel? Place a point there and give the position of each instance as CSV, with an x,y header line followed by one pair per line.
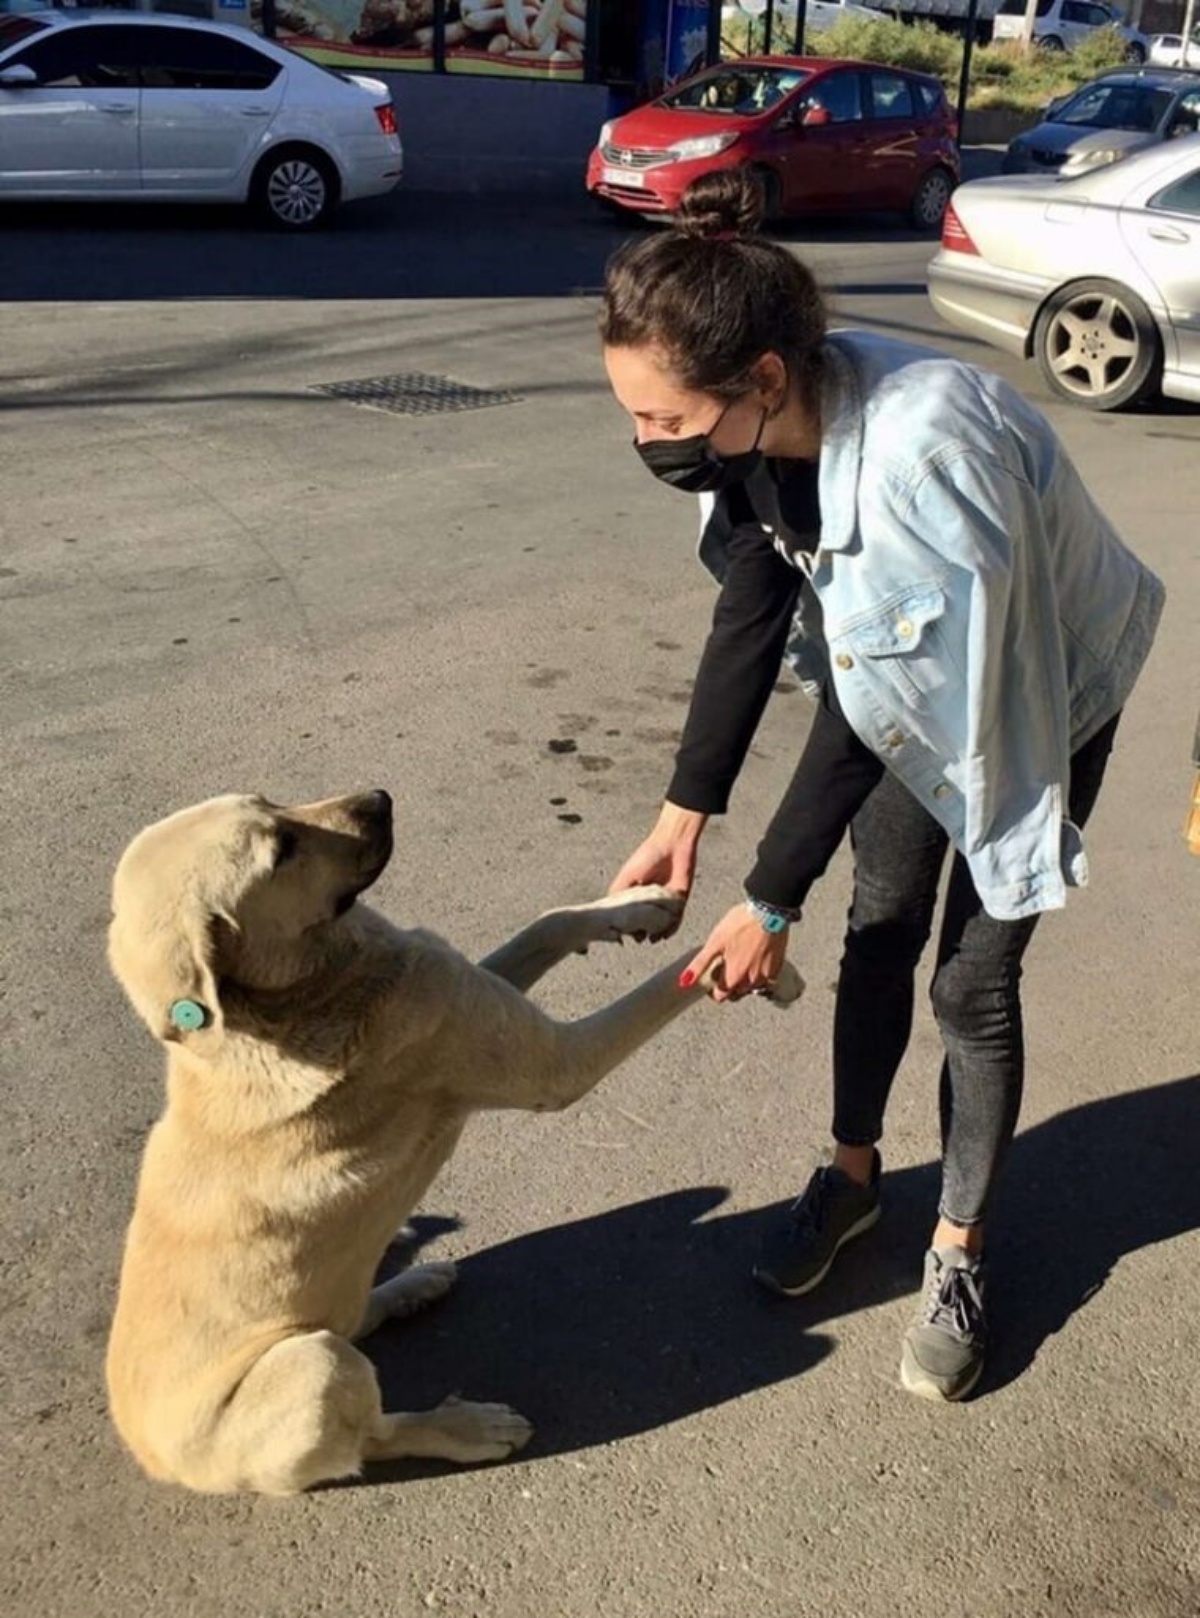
x,y
1092,344
296,192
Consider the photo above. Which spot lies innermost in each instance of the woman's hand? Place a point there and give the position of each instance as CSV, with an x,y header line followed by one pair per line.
x,y
748,959
668,856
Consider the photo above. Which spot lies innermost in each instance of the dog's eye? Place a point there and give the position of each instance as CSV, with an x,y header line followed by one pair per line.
x,y
286,845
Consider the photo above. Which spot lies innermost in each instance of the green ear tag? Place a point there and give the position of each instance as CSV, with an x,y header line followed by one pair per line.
x,y
188,1015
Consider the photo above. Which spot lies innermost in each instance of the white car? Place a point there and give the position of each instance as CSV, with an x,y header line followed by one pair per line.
x,y
128,107
1061,24
1093,277
1167,50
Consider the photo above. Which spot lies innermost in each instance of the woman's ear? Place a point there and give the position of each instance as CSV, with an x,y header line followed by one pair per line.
x,y
770,375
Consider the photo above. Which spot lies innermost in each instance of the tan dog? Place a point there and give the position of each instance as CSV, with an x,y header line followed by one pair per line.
x,y
321,1067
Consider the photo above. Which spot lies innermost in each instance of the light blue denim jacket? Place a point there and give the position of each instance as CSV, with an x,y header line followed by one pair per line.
x,y
978,615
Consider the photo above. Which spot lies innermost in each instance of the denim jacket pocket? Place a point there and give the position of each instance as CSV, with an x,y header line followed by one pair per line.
x,y
904,642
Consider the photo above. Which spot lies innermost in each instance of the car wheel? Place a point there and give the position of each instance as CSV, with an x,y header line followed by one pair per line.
x,y
928,207
1135,52
295,188
1050,42
1096,344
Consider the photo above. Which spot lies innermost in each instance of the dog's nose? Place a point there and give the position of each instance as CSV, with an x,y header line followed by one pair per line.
x,y
373,807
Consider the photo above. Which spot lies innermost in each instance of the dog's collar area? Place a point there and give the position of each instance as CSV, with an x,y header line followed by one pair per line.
x,y
188,1016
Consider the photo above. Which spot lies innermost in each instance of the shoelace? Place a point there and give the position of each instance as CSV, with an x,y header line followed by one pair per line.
x,y
954,1301
808,1211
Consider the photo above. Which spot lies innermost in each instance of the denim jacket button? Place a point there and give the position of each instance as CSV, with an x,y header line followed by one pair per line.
x,y
942,790
894,738
904,628
844,660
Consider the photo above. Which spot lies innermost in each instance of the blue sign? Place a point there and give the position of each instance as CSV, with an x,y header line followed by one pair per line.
x,y
687,35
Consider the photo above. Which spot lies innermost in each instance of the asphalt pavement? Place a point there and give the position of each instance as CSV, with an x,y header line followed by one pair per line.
x,y
215,576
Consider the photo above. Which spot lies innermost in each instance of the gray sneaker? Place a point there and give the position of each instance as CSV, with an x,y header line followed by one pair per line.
x,y
944,1347
797,1255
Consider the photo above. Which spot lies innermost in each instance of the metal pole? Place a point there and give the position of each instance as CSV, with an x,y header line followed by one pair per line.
x,y
1030,19
964,78
712,51
1189,22
769,26
801,20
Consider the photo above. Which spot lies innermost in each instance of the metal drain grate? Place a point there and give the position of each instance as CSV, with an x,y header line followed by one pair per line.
x,y
415,394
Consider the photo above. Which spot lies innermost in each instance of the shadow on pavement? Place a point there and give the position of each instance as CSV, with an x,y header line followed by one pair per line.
x,y
409,245
623,1322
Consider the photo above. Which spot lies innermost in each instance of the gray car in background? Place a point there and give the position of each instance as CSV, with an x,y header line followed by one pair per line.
x,y
1117,114
1097,278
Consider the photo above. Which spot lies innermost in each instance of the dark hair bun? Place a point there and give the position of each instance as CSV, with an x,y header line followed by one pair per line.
x,y
728,203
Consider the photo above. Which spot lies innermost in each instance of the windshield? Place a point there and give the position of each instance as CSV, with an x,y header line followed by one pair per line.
x,y
1116,106
736,89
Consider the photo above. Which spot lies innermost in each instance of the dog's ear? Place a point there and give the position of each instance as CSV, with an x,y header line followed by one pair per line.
x,y
164,962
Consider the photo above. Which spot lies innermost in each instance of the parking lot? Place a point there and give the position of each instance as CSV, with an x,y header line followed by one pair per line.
x,y
214,577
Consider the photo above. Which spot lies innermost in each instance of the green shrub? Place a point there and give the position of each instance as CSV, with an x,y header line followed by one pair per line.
x,y
1002,75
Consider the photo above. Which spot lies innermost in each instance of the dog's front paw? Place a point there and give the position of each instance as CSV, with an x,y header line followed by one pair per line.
x,y
481,1432
639,913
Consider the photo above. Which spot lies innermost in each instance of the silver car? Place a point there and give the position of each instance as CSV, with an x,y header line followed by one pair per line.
x,y
1097,278
1117,114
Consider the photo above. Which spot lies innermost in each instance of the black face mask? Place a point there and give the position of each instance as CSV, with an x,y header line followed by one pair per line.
x,y
693,466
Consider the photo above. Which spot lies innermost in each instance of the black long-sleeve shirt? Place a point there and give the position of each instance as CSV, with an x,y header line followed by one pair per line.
x,y
737,672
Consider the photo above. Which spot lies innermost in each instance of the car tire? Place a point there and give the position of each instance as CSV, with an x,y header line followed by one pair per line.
x,y
1135,52
930,200
1096,344
1050,42
295,188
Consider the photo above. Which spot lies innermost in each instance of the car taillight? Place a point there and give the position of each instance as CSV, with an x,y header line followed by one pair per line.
x,y
387,119
954,234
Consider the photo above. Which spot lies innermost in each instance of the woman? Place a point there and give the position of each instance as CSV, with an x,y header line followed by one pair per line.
x,y
910,534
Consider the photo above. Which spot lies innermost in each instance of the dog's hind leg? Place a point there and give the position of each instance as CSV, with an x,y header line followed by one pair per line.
x,y
309,1412
404,1294
647,912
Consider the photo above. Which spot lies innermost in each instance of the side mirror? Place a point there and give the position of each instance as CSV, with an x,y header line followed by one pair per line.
x,y
12,78
1055,106
817,118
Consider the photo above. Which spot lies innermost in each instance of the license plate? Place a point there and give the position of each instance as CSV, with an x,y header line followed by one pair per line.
x,y
627,177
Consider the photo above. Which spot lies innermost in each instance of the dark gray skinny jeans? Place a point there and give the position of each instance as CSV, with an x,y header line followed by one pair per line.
x,y
899,850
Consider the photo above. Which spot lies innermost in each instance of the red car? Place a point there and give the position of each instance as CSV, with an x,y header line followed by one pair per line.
x,y
825,135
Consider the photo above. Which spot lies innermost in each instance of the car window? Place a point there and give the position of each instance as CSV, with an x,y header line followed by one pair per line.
x,y
1016,8
98,58
1185,120
930,97
891,96
841,96
1098,16
187,59
736,89
1181,197
1116,106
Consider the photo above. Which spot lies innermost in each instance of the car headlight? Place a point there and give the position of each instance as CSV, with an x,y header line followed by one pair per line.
x,y
605,134
702,146
1096,157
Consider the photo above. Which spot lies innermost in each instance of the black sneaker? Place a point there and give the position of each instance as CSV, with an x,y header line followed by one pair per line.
x,y
798,1255
944,1346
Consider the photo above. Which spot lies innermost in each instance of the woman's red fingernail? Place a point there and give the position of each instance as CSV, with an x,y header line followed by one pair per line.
x,y
686,979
